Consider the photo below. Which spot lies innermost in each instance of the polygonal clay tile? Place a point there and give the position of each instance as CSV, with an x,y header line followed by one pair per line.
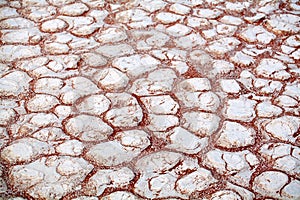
x,y
74,9
269,183
284,23
198,180
184,141
180,8
25,149
292,90
163,104
136,65
22,183
195,85
155,171
234,135
34,3
209,34
61,2
267,109
257,34
167,17
157,39
111,35
162,122
128,144
54,26
16,23
6,116
94,105
50,134
56,48
267,86
133,139
8,12
167,54
110,153
208,101
165,174
200,123
70,148
200,57
223,45
9,53
271,68
153,5
94,60
22,36
237,6
275,150
121,195
228,19
207,13
178,30
285,157
84,30
220,67
225,194
125,110
39,14
190,41
241,109
106,178
158,161
41,102
131,15
242,59
284,128
115,50
238,165
225,29
230,86
111,79
50,86
88,128
44,119
291,191
196,21
180,66
77,87
293,41
50,178
157,82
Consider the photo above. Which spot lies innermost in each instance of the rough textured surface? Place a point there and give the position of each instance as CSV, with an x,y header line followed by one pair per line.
x,y
149,99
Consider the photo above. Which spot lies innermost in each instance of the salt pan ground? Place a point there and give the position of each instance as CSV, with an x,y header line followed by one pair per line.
x,y
149,99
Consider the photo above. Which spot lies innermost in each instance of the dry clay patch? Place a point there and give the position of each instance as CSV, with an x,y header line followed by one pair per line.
x,y
149,99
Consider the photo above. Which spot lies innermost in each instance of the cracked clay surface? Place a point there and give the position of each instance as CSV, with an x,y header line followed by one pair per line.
x,y
149,99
